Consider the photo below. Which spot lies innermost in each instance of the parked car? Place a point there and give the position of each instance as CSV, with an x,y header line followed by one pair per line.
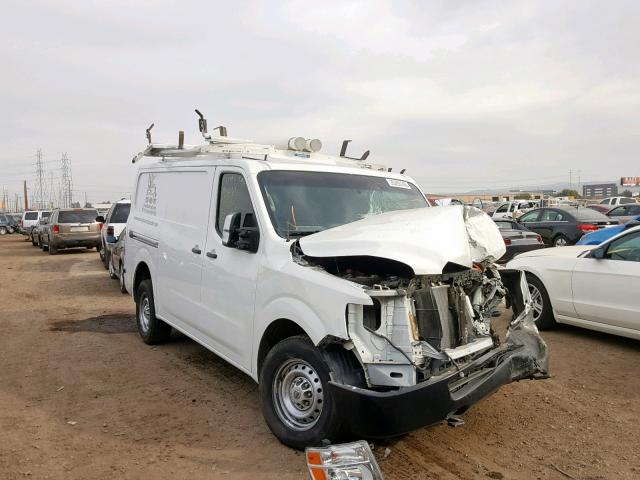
x,y
517,239
7,224
600,208
70,228
561,226
116,250
113,224
303,269
624,213
37,230
594,287
30,219
604,234
514,209
615,201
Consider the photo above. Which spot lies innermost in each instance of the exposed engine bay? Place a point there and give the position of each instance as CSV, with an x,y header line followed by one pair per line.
x,y
422,326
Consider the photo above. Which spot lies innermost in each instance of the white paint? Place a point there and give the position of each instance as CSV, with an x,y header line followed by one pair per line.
x,y
425,239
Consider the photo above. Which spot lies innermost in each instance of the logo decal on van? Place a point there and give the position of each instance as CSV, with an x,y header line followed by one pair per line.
x,y
150,197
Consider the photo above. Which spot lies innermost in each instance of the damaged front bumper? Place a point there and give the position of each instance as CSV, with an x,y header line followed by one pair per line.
x,y
372,414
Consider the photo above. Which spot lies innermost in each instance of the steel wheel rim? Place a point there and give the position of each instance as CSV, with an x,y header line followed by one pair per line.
x,y
536,301
298,394
145,314
561,242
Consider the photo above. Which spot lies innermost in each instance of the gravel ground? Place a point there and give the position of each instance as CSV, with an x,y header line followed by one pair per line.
x,y
82,397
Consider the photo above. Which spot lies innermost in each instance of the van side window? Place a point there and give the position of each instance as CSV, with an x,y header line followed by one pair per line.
x,y
233,197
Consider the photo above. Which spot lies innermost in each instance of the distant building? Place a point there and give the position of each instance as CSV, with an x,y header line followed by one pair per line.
x,y
600,190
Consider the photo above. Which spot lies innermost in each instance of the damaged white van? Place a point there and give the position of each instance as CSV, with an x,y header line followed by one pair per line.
x,y
360,311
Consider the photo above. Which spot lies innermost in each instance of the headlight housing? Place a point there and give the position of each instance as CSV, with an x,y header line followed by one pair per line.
x,y
347,461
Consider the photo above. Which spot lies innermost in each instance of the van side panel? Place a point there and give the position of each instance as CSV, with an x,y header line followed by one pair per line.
x,y
183,199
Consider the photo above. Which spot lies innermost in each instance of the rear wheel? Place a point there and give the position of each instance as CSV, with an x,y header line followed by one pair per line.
x,y
542,309
294,394
560,241
34,242
3,230
152,330
43,246
52,250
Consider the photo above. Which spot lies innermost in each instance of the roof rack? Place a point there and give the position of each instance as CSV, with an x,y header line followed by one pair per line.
x,y
296,147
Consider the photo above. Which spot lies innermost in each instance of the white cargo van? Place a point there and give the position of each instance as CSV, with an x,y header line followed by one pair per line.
x,y
359,310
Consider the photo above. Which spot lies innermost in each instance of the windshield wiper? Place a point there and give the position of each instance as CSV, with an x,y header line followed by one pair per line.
x,y
302,233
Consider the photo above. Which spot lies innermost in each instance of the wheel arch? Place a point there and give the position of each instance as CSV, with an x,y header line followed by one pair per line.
x,y
142,272
275,332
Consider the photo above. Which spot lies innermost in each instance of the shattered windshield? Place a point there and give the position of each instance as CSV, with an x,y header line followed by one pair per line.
x,y
301,203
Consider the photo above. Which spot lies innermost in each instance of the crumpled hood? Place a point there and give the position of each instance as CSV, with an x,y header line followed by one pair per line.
x,y
426,239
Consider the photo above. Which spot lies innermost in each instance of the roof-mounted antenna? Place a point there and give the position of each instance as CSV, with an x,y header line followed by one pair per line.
x,y
149,133
181,139
202,124
223,130
402,171
343,152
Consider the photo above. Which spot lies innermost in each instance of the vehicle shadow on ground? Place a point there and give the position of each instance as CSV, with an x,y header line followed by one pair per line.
x,y
117,323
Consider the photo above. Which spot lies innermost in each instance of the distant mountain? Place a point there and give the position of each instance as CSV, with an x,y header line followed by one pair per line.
x,y
547,186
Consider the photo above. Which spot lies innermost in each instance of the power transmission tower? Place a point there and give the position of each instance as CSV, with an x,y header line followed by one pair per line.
x,y
39,194
66,182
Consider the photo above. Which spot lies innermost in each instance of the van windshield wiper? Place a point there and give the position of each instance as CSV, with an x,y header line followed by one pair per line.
x,y
302,233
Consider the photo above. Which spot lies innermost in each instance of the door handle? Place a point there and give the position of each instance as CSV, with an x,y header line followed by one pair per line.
x,y
212,254
196,250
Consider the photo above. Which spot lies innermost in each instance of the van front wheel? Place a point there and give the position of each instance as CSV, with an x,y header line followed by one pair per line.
x,y
152,330
296,402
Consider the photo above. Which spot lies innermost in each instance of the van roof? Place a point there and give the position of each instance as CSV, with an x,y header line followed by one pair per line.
x,y
257,157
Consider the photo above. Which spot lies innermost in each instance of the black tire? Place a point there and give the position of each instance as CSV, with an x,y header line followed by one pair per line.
x,y
123,288
544,319
44,247
33,241
3,230
155,331
561,241
52,250
101,252
293,356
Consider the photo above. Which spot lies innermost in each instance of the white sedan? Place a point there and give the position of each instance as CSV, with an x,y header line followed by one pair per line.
x,y
596,287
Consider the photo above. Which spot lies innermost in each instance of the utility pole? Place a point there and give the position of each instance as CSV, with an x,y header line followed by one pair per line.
x,y
26,200
570,179
39,195
67,182
85,200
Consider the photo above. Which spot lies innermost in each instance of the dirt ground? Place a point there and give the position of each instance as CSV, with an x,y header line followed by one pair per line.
x,y
82,397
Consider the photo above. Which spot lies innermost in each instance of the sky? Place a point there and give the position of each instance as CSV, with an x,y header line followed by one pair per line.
x,y
465,95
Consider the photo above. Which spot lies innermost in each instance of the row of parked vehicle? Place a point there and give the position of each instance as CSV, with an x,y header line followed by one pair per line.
x,y
65,228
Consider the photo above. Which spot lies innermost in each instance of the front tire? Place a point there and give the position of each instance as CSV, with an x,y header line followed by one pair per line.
x,y
152,330
542,309
123,288
112,272
3,230
294,394
34,242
